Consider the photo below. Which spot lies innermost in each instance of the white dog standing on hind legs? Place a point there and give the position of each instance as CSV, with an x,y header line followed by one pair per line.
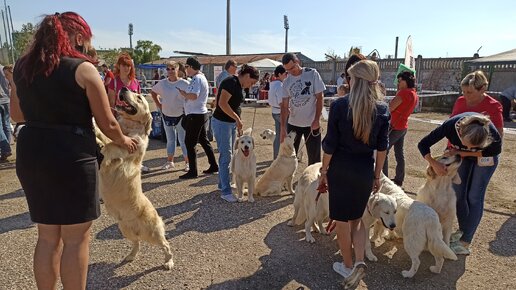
x,y
120,183
243,165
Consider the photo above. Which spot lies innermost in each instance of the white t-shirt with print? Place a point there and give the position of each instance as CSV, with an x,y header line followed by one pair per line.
x,y
199,86
172,101
301,90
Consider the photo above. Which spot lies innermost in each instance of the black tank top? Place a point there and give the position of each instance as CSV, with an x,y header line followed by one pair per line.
x,y
56,99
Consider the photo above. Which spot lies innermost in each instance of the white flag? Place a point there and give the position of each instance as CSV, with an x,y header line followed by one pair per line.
x,y
409,54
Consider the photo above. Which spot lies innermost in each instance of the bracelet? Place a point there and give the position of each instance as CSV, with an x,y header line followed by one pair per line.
x,y
323,171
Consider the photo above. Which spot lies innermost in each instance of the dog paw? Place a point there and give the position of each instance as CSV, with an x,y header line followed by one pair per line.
x,y
250,199
169,265
240,199
290,223
129,258
310,239
407,274
435,269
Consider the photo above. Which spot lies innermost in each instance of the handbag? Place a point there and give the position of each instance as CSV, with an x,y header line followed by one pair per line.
x,y
171,121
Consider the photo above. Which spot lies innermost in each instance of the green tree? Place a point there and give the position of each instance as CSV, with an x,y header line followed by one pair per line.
x,y
109,56
23,39
145,51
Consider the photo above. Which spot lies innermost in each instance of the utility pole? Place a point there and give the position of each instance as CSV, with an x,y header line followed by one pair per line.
x,y
11,48
228,27
285,24
131,37
12,29
6,37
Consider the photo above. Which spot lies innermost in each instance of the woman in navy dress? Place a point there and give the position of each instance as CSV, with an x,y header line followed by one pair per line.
x,y
358,125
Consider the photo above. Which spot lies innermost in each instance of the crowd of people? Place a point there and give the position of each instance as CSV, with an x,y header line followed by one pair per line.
x,y
56,90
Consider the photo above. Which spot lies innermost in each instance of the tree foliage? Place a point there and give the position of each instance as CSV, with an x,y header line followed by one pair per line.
x,y
145,51
23,39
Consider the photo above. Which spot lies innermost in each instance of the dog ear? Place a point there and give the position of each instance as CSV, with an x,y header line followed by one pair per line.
x,y
430,173
235,145
456,179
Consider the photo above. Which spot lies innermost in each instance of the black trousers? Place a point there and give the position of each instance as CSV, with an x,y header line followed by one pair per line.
x,y
195,132
313,142
506,105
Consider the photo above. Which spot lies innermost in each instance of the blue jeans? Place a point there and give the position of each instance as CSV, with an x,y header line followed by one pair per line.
x,y
277,127
224,133
5,130
470,195
173,132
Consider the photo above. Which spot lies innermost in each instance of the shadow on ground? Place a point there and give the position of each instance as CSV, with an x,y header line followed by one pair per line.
x,y
16,222
505,236
295,262
104,273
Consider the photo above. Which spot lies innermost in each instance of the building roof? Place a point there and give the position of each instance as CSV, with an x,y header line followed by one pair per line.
x,y
506,57
222,59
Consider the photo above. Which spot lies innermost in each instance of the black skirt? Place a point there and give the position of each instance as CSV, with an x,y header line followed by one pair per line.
x,y
350,182
58,172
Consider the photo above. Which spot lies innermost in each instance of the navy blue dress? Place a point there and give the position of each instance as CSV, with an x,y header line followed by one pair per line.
x,y
351,169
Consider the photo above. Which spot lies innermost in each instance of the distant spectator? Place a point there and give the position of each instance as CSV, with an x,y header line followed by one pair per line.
x,y
341,79
230,69
125,76
342,90
5,119
142,79
156,75
265,82
275,99
401,107
507,99
108,76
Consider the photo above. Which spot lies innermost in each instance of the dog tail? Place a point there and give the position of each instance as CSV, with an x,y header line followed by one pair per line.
x,y
437,246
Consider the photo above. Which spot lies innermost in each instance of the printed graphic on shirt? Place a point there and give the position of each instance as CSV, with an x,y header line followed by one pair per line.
x,y
300,93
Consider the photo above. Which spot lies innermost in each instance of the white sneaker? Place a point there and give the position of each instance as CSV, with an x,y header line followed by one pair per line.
x,y
455,237
229,198
341,269
358,273
145,169
187,167
168,165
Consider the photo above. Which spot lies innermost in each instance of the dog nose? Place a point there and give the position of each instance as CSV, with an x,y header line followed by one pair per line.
x,y
124,89
392,226
263,137
246,147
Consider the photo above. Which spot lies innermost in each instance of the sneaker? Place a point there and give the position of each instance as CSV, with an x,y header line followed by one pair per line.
x,y
187,167
459,249
341,269
358,273
229,198
4,156
145,169
212,169
455,237
168,165
188,175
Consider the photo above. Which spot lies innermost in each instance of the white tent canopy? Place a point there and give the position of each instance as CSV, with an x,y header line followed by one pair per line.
x,y
265,64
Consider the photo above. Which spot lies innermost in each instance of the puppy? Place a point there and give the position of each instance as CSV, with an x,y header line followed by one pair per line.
x,y
281,171
380,207
308,207
120,180
268,134
243,165
420,228
438,193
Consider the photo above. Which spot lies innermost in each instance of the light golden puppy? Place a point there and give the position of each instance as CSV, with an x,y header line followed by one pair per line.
x,y
281,171
438,193
120,180
243,165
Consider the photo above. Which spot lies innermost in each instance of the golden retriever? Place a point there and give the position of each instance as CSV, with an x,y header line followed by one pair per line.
x,y
281,171
420,228
243,165
438,193
380,207
120,180
308,207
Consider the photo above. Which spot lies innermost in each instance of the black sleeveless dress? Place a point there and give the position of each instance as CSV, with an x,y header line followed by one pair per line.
x,y
56,150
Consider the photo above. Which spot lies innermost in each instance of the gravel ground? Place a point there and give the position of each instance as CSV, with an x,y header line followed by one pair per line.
x,y
217,245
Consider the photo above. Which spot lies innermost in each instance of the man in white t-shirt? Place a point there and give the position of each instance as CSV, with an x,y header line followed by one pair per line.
x,y
196,119
340,80
166,96
302,105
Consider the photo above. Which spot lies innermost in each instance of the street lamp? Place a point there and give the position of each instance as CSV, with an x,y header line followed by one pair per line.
x,y
131,36
285,24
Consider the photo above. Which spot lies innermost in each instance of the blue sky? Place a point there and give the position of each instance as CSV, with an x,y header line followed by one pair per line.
x,y
439,28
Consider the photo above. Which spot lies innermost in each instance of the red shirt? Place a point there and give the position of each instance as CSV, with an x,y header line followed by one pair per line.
x,y
488,106
399,117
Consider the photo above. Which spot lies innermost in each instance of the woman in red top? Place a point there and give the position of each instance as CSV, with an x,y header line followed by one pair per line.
x,y
401,107
475,170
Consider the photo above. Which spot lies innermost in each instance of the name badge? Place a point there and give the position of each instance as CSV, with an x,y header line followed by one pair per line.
x,y
485,161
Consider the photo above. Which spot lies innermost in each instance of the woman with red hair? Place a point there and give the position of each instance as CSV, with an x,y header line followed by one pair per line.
x,y
125,76
56,89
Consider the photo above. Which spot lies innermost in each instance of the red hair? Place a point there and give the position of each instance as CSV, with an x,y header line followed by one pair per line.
x,y
51,42
125,59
